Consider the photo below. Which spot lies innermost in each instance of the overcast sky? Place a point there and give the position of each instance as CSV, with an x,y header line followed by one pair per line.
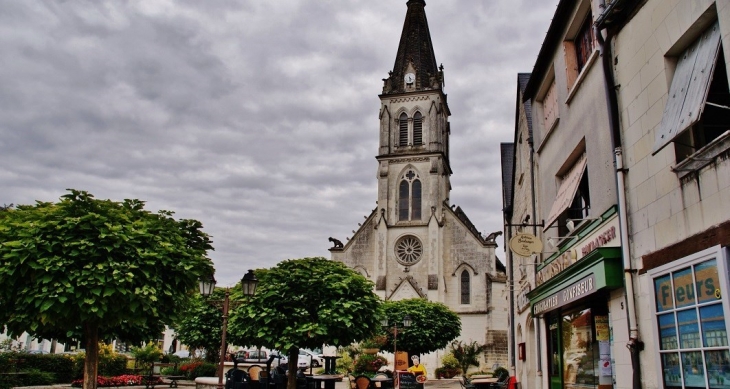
x,y
257,117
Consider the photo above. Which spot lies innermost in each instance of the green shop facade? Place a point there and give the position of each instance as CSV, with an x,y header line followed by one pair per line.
x,y
571,301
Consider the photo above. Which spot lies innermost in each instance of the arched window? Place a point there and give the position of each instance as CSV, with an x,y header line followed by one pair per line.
x,y
465,287
417,129
403,203
416,214
403,135
409,197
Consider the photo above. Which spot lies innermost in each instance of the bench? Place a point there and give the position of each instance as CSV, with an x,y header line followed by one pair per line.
x,y
173,379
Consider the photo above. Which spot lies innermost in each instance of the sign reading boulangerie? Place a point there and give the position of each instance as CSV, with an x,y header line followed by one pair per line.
x,y
572,293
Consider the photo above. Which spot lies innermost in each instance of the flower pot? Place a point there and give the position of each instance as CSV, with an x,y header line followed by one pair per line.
x,y
371,351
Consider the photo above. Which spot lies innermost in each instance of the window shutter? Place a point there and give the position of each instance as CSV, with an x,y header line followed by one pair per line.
x,y
417,129
403,123
689,88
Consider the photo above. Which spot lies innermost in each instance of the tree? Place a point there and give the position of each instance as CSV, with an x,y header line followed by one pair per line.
x,y
432,327
305,303
467,354
87,269
200,325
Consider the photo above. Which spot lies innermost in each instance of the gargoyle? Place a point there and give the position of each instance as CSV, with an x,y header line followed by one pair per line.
x,y
337,244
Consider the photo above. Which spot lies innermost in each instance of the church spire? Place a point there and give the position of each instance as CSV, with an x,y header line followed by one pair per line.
x,y
415,55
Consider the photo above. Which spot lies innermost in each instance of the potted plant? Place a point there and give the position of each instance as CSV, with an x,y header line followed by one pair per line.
x,y
369,363
373,344
467,354
449,367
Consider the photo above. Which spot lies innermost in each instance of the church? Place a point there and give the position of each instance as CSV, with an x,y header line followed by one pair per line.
x,y
415,244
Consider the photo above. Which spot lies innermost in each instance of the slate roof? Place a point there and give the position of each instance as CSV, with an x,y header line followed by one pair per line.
x,y
507,153
415,46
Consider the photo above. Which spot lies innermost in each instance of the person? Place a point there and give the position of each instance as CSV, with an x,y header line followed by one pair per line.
x,y
417,369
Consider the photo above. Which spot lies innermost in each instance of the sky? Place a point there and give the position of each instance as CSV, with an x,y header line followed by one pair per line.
x,y
258,118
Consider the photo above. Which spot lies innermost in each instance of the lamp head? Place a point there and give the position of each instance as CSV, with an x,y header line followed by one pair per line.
x,y
248,283
207,284
407,321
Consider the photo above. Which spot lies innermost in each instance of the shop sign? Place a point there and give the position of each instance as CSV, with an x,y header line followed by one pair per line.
x,y
574,292
525,245
556,266
706,284
605,236
522,301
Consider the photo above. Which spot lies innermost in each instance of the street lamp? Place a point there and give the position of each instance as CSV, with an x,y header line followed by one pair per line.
x,y
406,323
248,284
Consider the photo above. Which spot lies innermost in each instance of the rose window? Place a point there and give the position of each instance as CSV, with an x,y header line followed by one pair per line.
x,y
408,250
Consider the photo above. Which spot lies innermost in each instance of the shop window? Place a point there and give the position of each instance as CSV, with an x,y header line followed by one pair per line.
x,y
696,113
690,321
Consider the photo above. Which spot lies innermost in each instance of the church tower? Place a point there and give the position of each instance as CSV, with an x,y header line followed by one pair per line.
x,y
414,244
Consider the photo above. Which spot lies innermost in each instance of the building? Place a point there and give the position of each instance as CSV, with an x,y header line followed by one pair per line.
x,y
672,105
415,243
570,322
631,141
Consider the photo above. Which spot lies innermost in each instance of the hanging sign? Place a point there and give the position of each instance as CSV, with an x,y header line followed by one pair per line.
x,y
525,245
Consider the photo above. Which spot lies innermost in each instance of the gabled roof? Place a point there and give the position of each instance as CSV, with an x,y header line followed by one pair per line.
x,y
415,46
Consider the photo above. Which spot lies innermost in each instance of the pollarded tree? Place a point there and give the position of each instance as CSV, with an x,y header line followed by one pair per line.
x,y
93,269
305,303
433,325
200,326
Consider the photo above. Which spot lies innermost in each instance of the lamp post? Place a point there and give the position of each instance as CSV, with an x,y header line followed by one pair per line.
x,y
248,284
406,323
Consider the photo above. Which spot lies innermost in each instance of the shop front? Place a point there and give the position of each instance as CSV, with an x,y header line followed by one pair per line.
x,y
572,304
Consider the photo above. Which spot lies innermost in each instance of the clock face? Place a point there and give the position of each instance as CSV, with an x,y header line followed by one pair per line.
x,y
409,78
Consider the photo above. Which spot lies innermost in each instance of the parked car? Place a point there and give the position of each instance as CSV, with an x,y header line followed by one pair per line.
x,y
316,360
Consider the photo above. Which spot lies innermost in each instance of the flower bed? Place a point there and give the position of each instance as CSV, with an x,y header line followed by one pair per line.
x,y
122,380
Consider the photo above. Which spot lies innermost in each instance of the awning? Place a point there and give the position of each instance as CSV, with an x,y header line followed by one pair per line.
x,y
601,269
690,85
567,189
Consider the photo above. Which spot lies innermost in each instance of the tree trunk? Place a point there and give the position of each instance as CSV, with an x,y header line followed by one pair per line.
x,y
91,363
293,368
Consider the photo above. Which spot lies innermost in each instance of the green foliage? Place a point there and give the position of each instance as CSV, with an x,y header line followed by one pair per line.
x,y
147,355
433,325
195,369
467,354
449,361
201,325
345,363
61,366
305,303
110,364
368,363
87,269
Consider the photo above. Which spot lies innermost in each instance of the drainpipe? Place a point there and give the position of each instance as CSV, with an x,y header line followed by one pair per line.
x,y
538,360
634,344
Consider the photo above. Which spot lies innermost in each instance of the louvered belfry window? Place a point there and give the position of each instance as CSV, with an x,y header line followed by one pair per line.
x,y
417,129
403,135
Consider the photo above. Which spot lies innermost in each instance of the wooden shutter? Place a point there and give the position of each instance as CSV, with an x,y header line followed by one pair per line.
x,y
689,88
